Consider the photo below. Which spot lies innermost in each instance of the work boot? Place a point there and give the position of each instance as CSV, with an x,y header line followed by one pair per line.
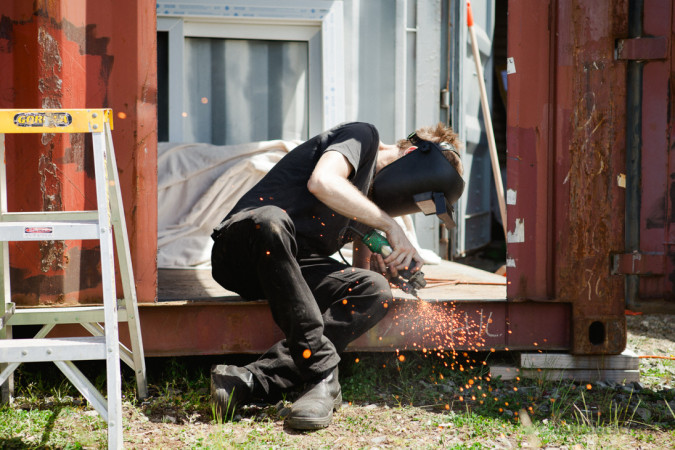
x,y
231,386
314,408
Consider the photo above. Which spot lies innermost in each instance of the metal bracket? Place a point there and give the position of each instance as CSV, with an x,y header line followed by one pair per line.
x,y
636,263
9,312
641,48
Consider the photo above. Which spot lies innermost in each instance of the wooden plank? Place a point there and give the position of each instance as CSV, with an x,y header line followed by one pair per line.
x,y
509,372
447,281
583,375
506,372
626,360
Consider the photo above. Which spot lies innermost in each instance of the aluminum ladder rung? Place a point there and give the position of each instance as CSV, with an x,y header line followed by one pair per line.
x,y
52,349
57,315
54,216
49,230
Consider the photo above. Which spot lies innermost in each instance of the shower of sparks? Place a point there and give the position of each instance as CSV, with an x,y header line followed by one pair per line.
x,y
438,329
455,338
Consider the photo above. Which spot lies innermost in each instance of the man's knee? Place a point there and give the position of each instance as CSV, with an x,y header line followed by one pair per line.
x,y
379,284
272,223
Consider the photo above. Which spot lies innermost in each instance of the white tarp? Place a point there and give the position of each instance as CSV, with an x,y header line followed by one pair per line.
x,y
198,184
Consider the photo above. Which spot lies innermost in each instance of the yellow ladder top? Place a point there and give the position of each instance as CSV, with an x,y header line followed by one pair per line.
x,y
54,120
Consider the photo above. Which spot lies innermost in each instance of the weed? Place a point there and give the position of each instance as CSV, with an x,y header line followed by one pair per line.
x,y
220,416
669,408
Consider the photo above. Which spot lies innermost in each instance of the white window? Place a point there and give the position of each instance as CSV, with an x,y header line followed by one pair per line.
x,y
235,72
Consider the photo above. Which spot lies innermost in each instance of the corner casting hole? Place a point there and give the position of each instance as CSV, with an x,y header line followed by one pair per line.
x,y
596,333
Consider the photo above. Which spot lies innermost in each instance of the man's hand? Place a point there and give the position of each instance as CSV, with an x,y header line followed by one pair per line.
x,y
404,255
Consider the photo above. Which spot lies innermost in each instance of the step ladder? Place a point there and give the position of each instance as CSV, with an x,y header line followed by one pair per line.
x,y
100,321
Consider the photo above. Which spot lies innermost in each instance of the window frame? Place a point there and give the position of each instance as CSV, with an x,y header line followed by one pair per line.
x,y
319,23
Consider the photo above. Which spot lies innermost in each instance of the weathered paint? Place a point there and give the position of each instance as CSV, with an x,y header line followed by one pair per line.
x,y
566,137
590,100
78,54
518,234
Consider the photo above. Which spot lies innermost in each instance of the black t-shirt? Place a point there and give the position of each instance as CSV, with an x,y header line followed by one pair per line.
x,y
317,226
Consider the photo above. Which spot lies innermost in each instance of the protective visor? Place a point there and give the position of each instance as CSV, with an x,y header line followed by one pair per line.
x,y
421,181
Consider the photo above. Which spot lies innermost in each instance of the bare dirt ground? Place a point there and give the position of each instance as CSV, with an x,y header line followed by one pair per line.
x,y
388,424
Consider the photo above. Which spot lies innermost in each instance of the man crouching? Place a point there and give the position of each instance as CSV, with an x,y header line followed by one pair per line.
x,y
276,244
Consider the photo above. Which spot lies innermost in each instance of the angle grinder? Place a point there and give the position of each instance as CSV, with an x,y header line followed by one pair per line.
x,y
407,281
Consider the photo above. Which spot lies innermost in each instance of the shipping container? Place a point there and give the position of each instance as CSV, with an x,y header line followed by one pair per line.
x,y
581,105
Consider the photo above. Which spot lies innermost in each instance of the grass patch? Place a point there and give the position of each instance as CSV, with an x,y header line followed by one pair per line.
x,y
408,399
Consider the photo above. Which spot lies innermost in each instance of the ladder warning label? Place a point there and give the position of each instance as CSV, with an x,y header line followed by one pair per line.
x,y
43,119
38,232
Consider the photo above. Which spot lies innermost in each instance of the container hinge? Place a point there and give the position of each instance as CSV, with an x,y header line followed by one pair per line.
x,y
636,263
445,99
641,48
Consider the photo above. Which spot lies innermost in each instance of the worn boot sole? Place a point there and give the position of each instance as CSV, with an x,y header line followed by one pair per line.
x,y
314,423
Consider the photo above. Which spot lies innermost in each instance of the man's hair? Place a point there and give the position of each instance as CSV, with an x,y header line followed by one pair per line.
x,y
439,133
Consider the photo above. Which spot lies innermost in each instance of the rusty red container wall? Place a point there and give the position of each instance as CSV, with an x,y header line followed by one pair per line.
x,y
566,140
213,328
528,145
130,26
657,208
78,54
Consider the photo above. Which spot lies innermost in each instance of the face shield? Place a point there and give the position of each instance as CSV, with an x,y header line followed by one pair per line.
x,y
421,181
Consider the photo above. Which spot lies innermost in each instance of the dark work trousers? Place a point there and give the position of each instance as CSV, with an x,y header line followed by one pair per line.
x,y
320,304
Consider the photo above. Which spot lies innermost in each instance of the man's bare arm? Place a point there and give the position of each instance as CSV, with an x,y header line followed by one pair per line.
x,y
330,184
